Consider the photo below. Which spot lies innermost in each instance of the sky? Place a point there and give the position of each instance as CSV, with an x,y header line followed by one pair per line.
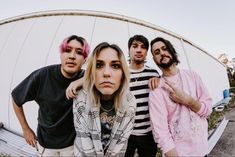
x,y
210,24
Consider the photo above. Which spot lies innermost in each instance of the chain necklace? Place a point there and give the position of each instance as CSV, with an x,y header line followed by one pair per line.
x,y
138,76
136,73
106,110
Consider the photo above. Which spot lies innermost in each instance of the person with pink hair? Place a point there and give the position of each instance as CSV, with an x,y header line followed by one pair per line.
x,y
46,86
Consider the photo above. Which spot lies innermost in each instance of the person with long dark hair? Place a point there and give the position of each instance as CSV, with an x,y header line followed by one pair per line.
x,y
179,107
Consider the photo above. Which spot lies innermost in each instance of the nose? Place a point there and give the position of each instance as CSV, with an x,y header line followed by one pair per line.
x,y
138,49
72,54
161,52
107,71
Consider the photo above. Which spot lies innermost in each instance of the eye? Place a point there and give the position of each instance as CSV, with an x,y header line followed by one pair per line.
x,y
164,48
134,45
116,65
99,65
68,49
143,47
79,52
156,52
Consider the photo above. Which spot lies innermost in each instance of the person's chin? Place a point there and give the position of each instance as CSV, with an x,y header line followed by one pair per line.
x,y
72,69
107,92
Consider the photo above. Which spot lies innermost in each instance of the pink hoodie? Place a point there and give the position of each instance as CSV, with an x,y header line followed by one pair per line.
x,y
177,126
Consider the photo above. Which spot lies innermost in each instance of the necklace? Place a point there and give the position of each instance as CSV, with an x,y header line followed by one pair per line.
x,y
136,73
106,110
138,76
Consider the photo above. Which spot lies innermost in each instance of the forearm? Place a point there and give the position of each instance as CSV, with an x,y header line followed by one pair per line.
x,y
193,104
80,82
72,89
20,115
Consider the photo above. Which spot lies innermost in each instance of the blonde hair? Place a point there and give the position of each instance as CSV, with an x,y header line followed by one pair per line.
x,y
89,84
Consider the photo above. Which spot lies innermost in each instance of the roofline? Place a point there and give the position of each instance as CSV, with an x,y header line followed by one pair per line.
x,y
71,12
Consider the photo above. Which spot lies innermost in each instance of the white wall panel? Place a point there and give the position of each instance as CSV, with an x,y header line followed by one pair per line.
x,y
8,59
111,31
77,25
211,71
33,55
5,31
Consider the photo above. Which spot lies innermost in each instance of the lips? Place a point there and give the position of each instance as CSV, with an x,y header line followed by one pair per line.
x,y
106,84
139,56
70,64
162,58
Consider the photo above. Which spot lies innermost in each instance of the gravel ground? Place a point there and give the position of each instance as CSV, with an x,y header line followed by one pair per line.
x,y
225,147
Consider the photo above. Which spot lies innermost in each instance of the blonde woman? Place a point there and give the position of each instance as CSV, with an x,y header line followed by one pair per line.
x,y
104,109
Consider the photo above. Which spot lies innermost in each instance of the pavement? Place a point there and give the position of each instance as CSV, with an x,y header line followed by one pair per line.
x,y
225,147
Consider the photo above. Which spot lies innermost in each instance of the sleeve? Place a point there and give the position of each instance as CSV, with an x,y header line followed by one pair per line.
x,y
27,89
159,120
83,144
203,97
130,117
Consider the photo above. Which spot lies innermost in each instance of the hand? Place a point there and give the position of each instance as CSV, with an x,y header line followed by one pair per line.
x,y
73,88
172,153
71,91
30,137
153,83
177,95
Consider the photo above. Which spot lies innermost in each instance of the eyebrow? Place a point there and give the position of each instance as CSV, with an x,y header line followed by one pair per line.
x,y
116,61
113,61
77,48
137,43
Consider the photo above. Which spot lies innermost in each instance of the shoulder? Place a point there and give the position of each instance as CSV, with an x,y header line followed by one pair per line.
x,y
50,67
130,104
151,71
81,96
47,69
79,103
189,73
130,97
81,73
147,68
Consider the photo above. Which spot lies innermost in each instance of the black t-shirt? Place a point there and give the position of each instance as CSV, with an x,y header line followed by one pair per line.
x,y
55,117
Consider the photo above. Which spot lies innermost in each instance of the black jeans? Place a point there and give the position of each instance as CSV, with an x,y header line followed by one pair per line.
x,y
145,145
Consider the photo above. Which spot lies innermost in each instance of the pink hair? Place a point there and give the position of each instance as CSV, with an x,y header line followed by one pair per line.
x,y
86,47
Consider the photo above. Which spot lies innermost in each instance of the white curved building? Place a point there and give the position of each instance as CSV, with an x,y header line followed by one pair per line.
x,y
31,41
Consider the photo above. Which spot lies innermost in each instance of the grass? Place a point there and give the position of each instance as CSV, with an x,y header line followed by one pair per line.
x,y
214,119
4,155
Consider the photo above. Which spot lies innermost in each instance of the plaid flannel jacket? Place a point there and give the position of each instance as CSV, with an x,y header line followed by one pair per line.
x,y
88,127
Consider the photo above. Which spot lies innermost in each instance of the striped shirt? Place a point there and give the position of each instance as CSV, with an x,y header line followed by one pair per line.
x,y
139,87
